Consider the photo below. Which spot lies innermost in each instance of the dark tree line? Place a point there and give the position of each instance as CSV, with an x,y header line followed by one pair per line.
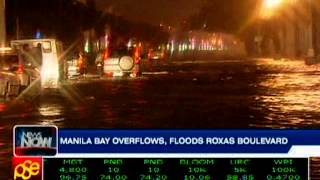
x,y
55,18
126,29
226,16
67,19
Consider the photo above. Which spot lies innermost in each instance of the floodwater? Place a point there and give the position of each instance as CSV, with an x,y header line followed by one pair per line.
x,y
228,94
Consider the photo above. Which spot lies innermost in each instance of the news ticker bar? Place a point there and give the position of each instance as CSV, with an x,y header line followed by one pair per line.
x,y
50,141
187,141
165,168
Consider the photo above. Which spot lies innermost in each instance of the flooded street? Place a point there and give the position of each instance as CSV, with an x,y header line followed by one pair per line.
x,y
198,94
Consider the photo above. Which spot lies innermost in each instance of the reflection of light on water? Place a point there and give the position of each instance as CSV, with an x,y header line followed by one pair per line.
x,y
1,142
315,168
50,110
5,149
294,93
56,122
155,73
292,97
51,114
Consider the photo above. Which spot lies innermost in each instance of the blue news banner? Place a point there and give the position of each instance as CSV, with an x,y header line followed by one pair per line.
x,y
184,141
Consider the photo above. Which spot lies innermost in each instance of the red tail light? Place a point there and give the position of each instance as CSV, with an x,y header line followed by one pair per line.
x,y
162,55
106,55
80,62
20,69
137,57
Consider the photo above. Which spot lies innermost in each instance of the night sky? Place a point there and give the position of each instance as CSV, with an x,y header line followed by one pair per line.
x,y
170,12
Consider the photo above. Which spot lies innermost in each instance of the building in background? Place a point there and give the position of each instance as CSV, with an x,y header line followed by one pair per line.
x,y
296,33
289,29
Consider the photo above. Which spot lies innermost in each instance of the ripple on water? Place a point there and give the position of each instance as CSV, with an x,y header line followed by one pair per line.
x,y
289,97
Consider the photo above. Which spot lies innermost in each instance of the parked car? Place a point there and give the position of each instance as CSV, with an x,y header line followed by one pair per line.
x,y
9,85
156,54
15,74
73,68
119,62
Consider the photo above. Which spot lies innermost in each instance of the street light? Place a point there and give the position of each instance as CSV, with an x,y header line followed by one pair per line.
x,y
270,7
272,4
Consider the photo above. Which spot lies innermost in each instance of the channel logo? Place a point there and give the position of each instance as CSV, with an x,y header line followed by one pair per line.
x,y
35,140
27,168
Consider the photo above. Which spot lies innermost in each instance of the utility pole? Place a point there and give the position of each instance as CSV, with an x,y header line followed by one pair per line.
x,y
316,28
2,23
309,26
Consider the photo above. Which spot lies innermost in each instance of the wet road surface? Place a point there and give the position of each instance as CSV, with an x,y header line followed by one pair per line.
x,y
198,94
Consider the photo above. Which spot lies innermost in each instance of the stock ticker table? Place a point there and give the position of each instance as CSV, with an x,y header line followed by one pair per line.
x,y
176,168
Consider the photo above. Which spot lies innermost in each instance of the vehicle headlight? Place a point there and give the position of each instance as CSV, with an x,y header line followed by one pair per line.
x,y
49,71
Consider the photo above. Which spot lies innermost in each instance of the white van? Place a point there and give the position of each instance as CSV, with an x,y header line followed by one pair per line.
x,y
48,59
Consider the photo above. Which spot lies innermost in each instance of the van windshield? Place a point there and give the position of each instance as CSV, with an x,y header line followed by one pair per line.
x,y
30,55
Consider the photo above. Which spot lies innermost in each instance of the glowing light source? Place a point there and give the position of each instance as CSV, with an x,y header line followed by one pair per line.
x,y
269,7
86,47
172,46
106,41
38,35
49,72
5,48
130,43
272,4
